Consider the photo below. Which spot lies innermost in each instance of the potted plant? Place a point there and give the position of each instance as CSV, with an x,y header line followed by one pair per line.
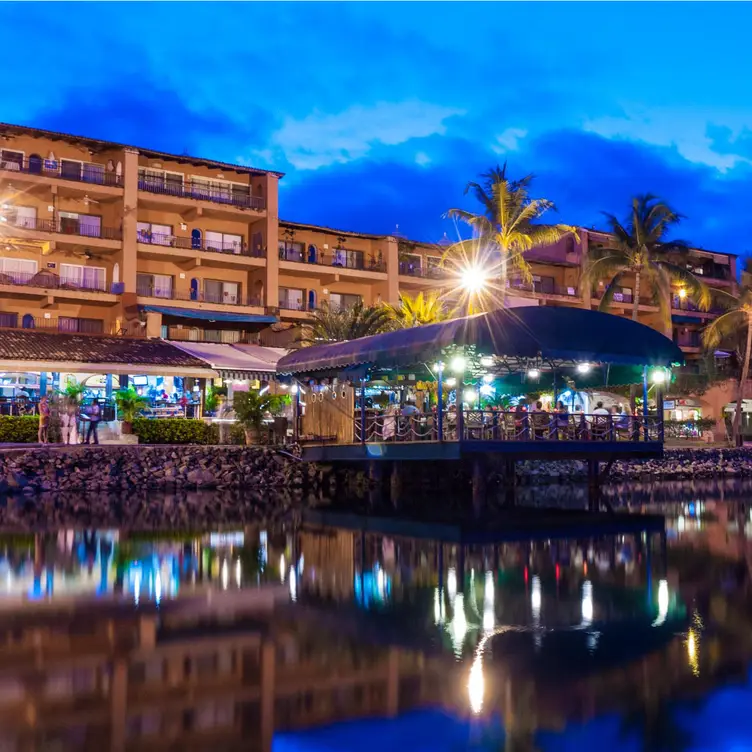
x,y
129,406
251,408
73,391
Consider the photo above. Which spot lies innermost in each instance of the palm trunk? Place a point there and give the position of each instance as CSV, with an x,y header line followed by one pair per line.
x,y
636,301
504,274
735,429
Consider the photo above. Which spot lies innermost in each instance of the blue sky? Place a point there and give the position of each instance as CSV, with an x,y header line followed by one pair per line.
x,y
380,113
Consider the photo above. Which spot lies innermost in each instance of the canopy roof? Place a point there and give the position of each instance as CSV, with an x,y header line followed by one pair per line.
x,y
212,316
236,361
556,335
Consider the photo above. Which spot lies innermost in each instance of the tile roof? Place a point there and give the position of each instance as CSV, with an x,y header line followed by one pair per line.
x,y
27,344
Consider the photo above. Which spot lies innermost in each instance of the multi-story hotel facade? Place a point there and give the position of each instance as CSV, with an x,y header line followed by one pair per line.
x,y
99,237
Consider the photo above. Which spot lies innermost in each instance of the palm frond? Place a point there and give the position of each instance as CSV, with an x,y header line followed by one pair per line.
x,y
724,327
698,291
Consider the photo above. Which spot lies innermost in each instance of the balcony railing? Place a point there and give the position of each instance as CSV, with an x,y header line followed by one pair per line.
x,y
419,270
167,293
295,305
544,289
92,173
69,226
195,244
337,260
203,192
197,334
69,325
48,280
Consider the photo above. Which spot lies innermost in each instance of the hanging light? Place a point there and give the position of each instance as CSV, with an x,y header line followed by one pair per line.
x,y
533,373
458,364
488,378
583,367
682,293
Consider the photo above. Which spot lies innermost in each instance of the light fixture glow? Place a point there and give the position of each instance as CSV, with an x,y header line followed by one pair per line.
x,y
458,364
682,293
583,367
476,686
488,377
658,376
451,381
294,389
473,278
470,395
533,373
486,361
587,602
438,367
452,583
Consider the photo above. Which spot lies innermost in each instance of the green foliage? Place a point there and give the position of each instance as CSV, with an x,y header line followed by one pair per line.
x,y
419,310
19,429
174,431
211,402
330,324
251,407
74,390
129,404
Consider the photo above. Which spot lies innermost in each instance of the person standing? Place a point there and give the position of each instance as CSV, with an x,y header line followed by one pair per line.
x,y
44,420
94,416
72,413
65,424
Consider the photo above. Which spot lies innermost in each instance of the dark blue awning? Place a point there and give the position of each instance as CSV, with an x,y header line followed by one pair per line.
x,y
226,318
556,334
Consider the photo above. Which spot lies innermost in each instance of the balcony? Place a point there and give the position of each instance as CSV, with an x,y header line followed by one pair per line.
x,y
91,173
167,293
335,260
200,191
50,281
409,269
69,325
549,288
66,226
198,334
175,241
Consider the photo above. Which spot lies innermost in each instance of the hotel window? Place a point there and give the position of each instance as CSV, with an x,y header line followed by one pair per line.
x,y
86,326
410,263
217,291
291,251
26,216
19,270
88,225
11,160
88,172
623,295
149,232
154,285
292,299
347,258
342,301
544,284
222,241
8,320
220,190
160,181
83,277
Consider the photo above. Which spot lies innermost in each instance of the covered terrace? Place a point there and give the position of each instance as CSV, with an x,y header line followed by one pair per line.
x,y
464,379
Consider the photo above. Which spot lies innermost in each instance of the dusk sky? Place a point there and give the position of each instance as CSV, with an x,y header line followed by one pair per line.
x,y
380,113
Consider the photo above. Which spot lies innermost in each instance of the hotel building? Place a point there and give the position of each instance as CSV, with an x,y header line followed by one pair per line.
x,y
104,238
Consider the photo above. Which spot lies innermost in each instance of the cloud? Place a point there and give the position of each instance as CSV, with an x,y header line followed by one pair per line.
x,y
320,139
508,140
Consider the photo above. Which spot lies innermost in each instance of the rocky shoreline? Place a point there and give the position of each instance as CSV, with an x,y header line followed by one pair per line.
x,y
126,468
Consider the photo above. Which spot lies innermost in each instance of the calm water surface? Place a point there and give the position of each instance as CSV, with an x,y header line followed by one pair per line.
x,y
375,635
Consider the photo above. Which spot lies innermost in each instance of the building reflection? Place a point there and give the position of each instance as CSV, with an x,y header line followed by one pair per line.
x,y
132,642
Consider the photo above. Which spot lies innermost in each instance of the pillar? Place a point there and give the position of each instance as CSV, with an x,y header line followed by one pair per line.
x,y
440,398
645,401
153,325
108,386
392,271
270,185
129,264
43,383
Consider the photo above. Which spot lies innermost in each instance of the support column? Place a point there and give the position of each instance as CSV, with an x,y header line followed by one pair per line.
x,y
296,413
129,265
108,386
43,383
645,401
392,271
270,185
363,410
440,396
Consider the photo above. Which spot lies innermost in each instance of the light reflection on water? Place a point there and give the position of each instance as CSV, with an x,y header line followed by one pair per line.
x,y
546,634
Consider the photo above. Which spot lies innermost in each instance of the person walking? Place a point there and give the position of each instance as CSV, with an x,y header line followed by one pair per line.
x,y
94,416
44,420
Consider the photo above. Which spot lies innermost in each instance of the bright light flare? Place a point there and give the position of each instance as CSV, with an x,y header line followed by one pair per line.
x,y
533,373
682,293
458,364
658,377
583,367
474,279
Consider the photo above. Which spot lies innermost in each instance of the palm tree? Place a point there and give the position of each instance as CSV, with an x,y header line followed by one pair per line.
x,y
418,311
639,248
507,228
735,321
333,324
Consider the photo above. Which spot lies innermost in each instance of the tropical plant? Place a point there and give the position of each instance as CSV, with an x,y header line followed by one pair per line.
x,y
74,390
333,324
129,406
252,407
508,227
734,324
422,309
639,249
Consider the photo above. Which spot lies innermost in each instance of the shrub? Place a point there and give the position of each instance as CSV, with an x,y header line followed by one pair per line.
x,y
19,429
173,431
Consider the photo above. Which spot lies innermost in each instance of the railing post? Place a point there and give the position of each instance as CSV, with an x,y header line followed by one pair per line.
x,y
363,410
659,409
460,418
296,413
440,396
645,402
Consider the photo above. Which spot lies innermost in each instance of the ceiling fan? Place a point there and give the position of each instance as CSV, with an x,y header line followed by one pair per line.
x,y
88,254
86,200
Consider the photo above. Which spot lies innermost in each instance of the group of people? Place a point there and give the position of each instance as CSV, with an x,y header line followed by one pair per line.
x,y
70,414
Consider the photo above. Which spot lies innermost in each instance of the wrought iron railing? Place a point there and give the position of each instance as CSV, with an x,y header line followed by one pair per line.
x,y
48,280
337,260
424,271
69,226
199,244
201,191
92,173
168,293
69,325
494,425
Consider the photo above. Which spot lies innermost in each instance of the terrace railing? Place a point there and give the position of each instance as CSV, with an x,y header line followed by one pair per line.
x,y
493,425
92,173
69,226
203,191
334,259
167,293
200,244
48,280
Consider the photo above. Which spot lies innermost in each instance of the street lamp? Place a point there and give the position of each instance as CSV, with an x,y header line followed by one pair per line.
x,y
458,364
658,376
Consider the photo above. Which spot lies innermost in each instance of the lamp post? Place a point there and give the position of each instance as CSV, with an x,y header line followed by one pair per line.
x,y
440,397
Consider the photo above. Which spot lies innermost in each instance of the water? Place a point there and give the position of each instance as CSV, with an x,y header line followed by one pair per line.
x,y
301,635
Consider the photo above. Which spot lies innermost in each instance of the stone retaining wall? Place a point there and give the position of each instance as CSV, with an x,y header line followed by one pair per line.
x,y
118,468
